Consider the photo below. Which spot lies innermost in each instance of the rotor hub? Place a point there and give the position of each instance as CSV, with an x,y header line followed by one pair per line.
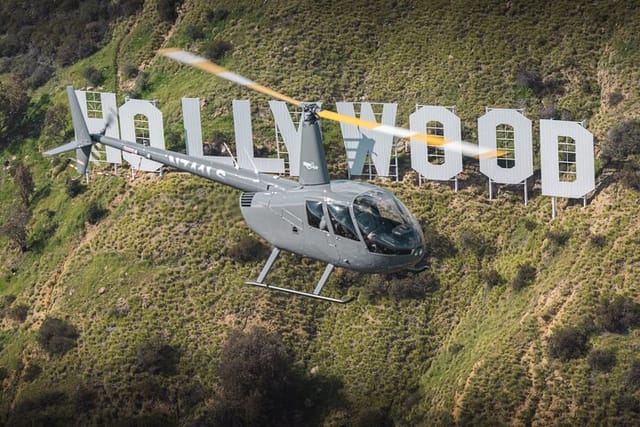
x,y
310,113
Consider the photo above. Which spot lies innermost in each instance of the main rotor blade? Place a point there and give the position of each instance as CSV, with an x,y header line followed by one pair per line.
x,y
208,66
466,148
204,64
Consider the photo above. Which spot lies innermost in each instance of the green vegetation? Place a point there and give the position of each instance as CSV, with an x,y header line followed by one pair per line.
x,y
123,301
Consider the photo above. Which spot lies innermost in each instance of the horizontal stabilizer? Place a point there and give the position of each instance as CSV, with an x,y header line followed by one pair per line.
x,y
69,146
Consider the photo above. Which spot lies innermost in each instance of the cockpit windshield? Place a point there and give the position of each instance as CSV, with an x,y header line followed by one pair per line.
x,y
385,223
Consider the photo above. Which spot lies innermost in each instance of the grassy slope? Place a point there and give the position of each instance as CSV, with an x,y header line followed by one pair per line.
x,y
467,352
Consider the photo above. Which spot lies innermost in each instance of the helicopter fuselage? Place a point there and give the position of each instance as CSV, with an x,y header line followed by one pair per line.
x,y
325,223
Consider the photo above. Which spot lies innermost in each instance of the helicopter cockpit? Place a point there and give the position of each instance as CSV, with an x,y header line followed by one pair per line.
x,y
385,224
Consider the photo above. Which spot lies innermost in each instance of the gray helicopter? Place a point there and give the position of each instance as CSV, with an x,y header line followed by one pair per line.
x,y
342,223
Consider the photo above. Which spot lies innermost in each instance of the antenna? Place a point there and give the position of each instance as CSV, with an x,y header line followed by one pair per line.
x,y
235,163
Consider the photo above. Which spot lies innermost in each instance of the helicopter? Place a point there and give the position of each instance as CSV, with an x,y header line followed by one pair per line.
x,y
342,223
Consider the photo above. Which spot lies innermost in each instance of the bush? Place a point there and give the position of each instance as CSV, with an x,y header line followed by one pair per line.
x,y
95,212
493,278
558,237
18,312
157,357
74,187
602,360
622,141
615,98
15,225
524,277
14,102
93,75
530,79
57,336
633,374
568,343
4,373
617,314
598,240
31,372
167,9
217,49
630,175
258,381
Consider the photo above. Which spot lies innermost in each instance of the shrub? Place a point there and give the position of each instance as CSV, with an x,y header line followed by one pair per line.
x,y
194,32
630,175
622,141
217,49
617,314
558,237
157,357
214,16
18,312
258,382
493,278
74,187
567,343
615,98
633,374
24,181
31,372
602,360
5,302
167,9
598,240
530,79
4,373
95,212
15,225
14,102
93,75
57,336
524,277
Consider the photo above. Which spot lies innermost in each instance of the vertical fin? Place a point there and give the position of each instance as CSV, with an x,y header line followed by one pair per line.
x,y
83,137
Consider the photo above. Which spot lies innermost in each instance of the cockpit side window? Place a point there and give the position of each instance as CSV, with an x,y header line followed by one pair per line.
x,y
341,221
315,214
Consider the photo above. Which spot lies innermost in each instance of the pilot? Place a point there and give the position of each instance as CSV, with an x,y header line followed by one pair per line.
x,y
368,224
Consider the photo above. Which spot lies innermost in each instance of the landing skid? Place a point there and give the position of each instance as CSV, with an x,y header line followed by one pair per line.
x,y
259,282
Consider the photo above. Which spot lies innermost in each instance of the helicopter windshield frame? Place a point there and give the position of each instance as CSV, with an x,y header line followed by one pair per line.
x,y
385,223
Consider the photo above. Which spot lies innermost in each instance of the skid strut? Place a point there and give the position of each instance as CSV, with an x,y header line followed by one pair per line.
x,y
316,292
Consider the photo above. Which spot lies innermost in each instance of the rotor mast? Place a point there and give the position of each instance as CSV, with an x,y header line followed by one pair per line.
x,y
313,163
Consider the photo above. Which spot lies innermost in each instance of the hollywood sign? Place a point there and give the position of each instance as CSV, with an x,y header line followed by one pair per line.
x,y
566,148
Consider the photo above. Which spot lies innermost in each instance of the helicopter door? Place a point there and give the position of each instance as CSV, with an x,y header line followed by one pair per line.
x,y
345,235
319,243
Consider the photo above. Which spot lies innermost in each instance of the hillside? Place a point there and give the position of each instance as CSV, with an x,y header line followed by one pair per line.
x,y
519,319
